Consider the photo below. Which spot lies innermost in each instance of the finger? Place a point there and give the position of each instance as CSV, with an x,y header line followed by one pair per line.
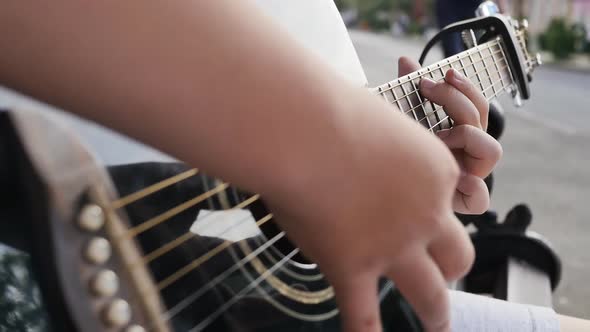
x,y
358,303
453,251
454,102
472,195
481,151
420,281
406,65
463,84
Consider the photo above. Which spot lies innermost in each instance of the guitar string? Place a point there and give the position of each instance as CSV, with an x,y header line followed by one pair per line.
x,y
211,317
185,302
409,81
146,225
455,58
154,254
202,259
128,199
445,62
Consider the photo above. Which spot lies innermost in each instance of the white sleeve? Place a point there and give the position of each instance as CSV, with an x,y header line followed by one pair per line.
x,y
474,313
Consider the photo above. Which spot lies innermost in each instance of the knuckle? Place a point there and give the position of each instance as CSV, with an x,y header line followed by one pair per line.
x,y
452,170
458,267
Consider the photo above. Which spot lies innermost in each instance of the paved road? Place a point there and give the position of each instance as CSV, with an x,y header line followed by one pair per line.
x,y
546,160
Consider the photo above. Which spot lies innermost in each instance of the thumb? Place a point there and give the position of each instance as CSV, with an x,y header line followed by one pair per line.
x,y
405,66
358,303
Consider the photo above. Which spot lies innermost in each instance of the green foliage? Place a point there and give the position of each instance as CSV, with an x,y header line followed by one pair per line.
x,y
20,300
559,39
375,13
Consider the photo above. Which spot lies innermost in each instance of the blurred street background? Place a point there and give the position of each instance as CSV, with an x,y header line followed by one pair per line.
x,y
546,162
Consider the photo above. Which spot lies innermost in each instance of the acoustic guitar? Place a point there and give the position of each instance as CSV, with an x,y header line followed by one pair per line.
x,y
162,246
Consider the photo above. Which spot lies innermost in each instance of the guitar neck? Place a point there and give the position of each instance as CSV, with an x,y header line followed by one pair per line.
x,y
485,65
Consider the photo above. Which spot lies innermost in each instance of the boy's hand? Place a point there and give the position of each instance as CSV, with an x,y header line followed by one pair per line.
x,y
476,152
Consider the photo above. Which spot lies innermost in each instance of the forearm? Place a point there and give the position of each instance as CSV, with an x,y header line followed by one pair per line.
x,y
212,82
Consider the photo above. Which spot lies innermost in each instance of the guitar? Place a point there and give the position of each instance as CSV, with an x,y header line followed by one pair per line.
x,y
164,247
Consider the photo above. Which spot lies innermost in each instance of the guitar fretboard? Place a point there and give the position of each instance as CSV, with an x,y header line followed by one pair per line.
x,y
485,65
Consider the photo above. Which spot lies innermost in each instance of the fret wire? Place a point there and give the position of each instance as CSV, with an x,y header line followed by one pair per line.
x,y
489,44
487,70
382,94
408,100
399,106
421,103
431,103
476,73
498,69
463,65
467,78
382,91
442,72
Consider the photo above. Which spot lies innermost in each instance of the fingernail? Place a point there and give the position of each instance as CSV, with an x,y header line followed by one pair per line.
x,y
443,133
427,84
457,76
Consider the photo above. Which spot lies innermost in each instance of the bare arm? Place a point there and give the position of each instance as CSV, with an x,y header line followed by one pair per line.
x,y
212,75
